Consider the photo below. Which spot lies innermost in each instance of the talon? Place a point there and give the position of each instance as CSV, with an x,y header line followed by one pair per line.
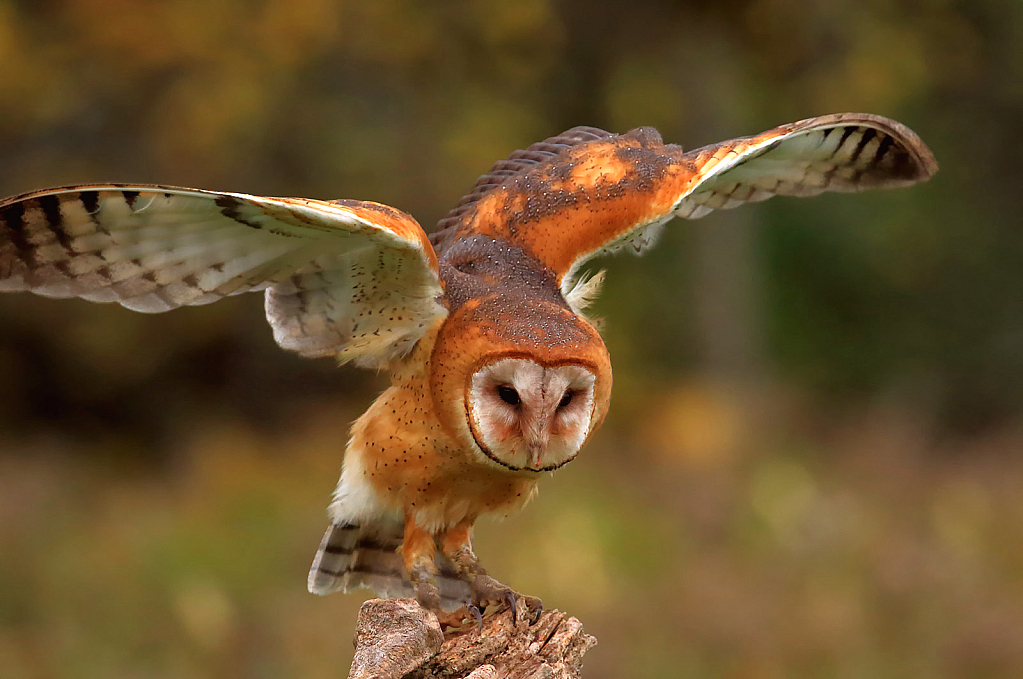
x,y
539,612
509,598
475,610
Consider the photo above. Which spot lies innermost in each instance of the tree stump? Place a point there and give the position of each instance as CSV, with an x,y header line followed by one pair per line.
x,y
398,639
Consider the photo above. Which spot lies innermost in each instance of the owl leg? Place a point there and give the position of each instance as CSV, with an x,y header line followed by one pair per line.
x,y
417,551
456,545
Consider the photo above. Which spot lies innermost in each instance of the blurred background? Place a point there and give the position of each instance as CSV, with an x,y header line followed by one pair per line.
x,y
812,466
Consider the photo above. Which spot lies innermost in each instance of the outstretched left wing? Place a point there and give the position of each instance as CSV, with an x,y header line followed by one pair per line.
x,y
348,278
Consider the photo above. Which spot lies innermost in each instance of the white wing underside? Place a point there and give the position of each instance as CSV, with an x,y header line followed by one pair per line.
x,y
349,279
804,163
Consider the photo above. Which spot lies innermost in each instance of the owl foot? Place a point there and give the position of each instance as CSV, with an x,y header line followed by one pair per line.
x,y
488,591
428,596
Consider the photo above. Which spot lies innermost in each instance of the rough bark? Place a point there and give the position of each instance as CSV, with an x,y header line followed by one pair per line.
x,y
398,639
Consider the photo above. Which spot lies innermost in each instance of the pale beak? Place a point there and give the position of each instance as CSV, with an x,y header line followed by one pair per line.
x,y
533,451
538,437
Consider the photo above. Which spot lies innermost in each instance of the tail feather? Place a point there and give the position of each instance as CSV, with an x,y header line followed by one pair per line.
x,y
353,556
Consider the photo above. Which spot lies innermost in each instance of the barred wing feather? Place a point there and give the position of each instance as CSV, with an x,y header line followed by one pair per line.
x,y
348,278
845,152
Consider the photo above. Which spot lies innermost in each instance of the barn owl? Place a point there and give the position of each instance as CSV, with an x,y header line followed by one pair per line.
x,y
497,376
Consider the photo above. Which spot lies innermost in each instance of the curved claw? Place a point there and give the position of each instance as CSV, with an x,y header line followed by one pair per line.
x,y
539,612
475,610
509,598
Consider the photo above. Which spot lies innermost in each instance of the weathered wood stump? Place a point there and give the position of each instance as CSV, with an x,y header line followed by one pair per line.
x,y
398,639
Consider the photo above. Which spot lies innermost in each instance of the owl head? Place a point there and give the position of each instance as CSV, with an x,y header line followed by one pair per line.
x,y
525,414
523,387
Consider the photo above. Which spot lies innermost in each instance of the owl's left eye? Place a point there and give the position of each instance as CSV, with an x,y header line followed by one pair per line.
x,y
565,400
509,395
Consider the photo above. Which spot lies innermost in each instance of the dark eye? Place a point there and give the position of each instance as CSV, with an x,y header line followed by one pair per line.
x,y
565,400
509,395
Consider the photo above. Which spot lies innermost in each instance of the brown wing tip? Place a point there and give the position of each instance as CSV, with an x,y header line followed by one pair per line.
x,y
907,161
923,165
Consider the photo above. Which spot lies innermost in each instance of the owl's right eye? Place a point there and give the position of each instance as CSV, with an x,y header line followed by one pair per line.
x,y
509,395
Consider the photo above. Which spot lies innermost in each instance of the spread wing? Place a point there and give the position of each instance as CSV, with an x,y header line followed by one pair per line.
x,y
617,191
348,278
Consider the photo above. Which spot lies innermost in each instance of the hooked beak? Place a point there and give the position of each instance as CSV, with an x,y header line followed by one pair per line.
x,y
533,455
536,444
538,435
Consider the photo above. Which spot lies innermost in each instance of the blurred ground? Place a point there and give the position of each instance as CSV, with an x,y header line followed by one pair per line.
x,y
812,462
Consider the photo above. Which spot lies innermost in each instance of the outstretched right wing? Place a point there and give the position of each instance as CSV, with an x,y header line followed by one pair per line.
x,y
617,191
348,278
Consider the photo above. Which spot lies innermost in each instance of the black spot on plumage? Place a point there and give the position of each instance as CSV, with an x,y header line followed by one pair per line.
x,y
231,207
130,197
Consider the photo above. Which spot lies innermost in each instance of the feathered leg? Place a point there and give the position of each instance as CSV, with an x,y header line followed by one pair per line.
x,y
418,550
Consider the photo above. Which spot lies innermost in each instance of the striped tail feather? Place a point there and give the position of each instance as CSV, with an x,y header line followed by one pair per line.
x,y
351,556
